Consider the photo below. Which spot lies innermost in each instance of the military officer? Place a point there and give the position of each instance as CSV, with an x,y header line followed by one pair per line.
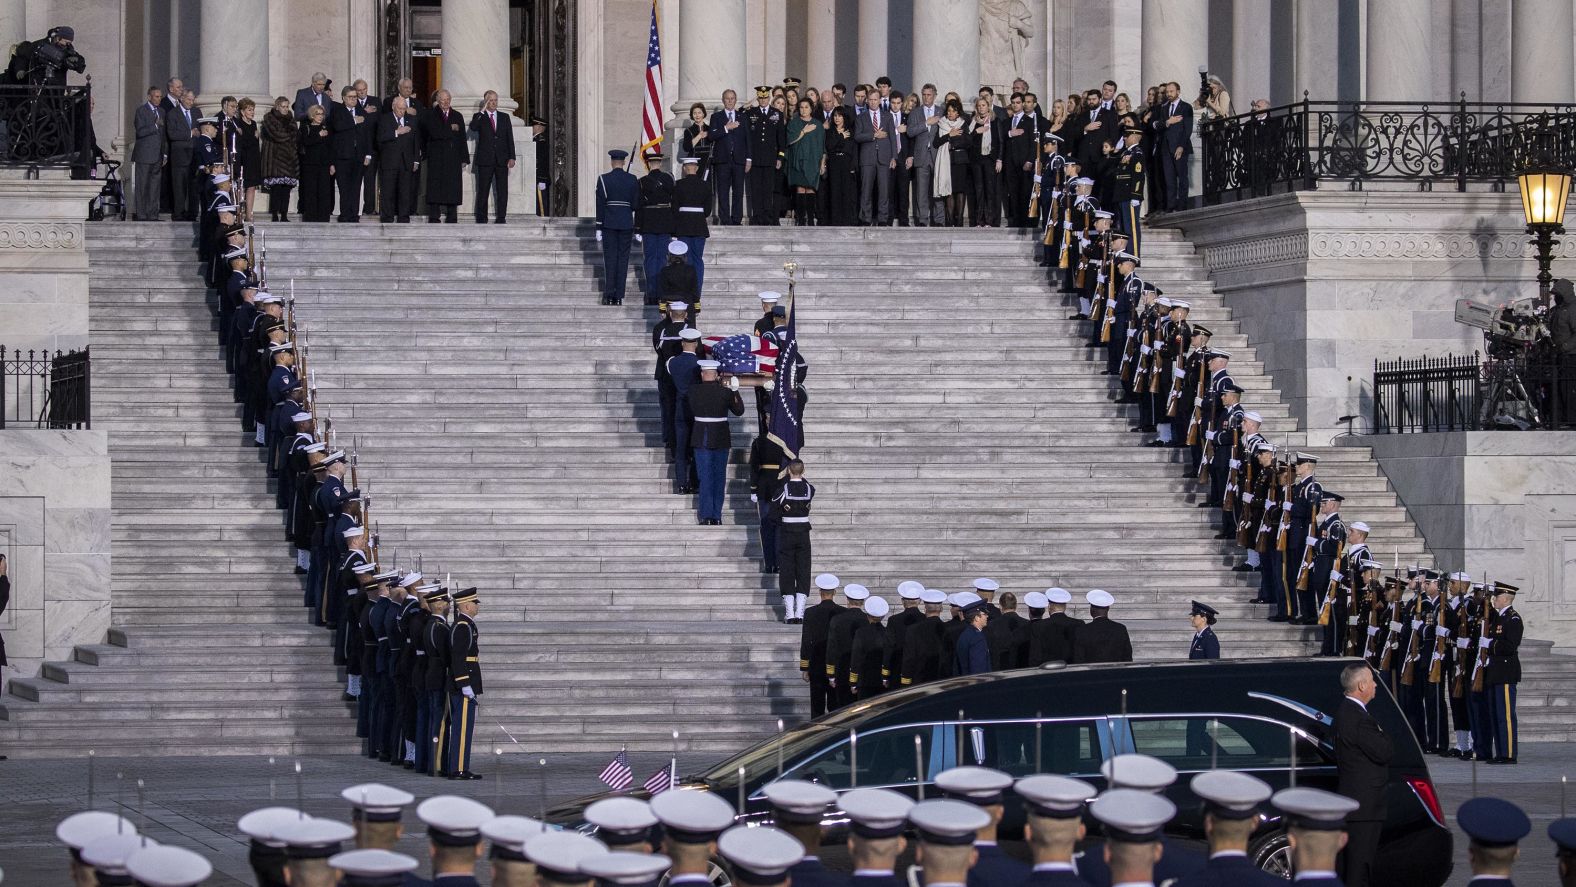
x,y
1053,807
876,820
654,217
840,644
1051,638
1133,822
986,789
1102,639
677,279
1205,644
761,856
1495,828
972,655
692,200
1231,814
623,823
1128,187
617,194
691,822
710,403
922,642
157,865
1563,833
454,831
1316,825
768,140
765,323
817,622
946,830
684,371
81,829
898,624
375,812
508,836
308,844
372,868
790,510
1306,494
870,659
465,671
1503,672
798,808
430,678
1324,576
265,855
767,462
666,342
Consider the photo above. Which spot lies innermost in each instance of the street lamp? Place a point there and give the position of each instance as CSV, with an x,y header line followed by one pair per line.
x,y
1544,190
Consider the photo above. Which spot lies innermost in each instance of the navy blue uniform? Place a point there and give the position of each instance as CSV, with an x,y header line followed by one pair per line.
x,y
1175,863
1205,645
1054,875
1230,870
995,868
617,193
809,872
973,653
465,671
1305,496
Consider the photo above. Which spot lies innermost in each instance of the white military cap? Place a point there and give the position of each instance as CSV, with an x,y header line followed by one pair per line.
x,y
1132,816
508,835
760,855
301,417
677,248
795,800
947,822
876,812
977,785
1140,772
1216,352
1125,256
770,296
410,579
314,447
1228,794
1055,797
311,838
108,854
855,592
933,596
1164,301
372,868
690,161
621,821
909,590
708,364
260,825
1251,416
362,569
558,855
1370,565
1178,303
1313,808
621,867
452,820
1363,528
827,582
877,607
983,584
692,817
1455,577
219,178
1099,598
374,801
263,297
965,599
1082,180
1102,214
1306,457
80,829
161,866
1058,595
353,532
676,305
227,207
1036,600
689,334
280,347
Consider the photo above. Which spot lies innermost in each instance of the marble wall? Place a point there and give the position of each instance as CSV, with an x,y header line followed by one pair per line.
x,y
1495,503
43,261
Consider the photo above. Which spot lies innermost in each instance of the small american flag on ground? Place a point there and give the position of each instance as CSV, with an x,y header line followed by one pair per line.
x,y
617,775
659,782
743,354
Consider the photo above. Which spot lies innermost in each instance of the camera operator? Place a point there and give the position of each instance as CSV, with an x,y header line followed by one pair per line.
x,y
1213,100
45,62
1561,322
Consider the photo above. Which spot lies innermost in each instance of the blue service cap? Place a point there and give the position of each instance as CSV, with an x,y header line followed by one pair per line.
x,y
618,154
1493,822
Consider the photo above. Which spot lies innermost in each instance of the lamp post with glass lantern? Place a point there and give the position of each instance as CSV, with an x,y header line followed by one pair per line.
x,y
1544,191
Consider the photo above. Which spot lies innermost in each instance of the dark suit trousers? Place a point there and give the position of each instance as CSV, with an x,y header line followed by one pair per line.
x,y
494,180
146,188
1176,180
985,186
764,182
179,177
728,179
820,693
316,201
398,184
369,187
1362,845
1020,184
900,182
875,195
927,210
1157,178
347,175
792,557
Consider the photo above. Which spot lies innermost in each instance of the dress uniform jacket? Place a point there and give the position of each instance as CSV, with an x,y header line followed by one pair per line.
x,y
1230,870
1008,637
995,868
435,647
898,625
1504,656
692,204
710,403
921,652
768,136
655,212
1331,535
813,637
870,660
465,664
617,193
1102,640
1054,877
1051,638
972,655
840,644
666,342
1176,862
1205,645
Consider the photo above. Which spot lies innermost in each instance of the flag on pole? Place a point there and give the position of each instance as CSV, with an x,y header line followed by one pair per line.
x,y
653,116
659,782
786,415
618,775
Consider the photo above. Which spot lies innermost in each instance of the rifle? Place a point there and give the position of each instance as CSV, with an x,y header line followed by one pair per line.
x,y
1436,665
1413,643
1307,563
1178,374
1490,616
1465,628
1034,196
1233,470
1288,478
1371,645
1392,639
1333,585
1109,320
1198,408
1067,234
1130,350
262,258
1207,461
366,505
1153,373
1261,541
1354,603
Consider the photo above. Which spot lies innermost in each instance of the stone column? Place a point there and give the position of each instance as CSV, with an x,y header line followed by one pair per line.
x,y
1176,42
476,53
1400,57
947,44
713,42
1318,48
821,43
1250,52
362,47
1541,62
234,55
13,22
872,41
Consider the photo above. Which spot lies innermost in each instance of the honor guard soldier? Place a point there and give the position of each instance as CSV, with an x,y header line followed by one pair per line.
x,y
798,808
508,836
544,165
790,510
817,622
870,661
1205,644
433,673
1325,575
1503,672
876,820
1129,287
1053,808
164,866
454,828
1051,638
624,869
654,220
1315,823
984,788
1495,828
1146,775
667,343
465,672
1231,813
684,372
840,644
1101,639
265,855
373,868
1128,186
558,857
768,140
765,323
677,279
692,200
946,830
1563,833
691,822
922,642
760,856
710,403
1306,493
767,461
1133,822
308,845
623,823
375,811
107,856
899,623
972,654
617,193
81,829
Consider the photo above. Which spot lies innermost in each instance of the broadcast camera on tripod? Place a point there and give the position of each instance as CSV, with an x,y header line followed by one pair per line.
x,y
1516,339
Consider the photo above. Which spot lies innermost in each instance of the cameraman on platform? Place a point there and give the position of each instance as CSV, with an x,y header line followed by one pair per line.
x,y
1561,322
45,62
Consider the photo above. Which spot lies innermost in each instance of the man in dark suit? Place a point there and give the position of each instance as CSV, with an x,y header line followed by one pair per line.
x,y
1017,168
1362,762
877,158
729,152
493,157
1051,638
1101,639
174,88
316,94
397,161
147,155
180,129
370,107
350,146
902,155
1099,127
1174,129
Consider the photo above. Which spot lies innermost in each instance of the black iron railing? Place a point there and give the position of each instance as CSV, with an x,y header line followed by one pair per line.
x,y
1466,393
43,126
43,390
1297,146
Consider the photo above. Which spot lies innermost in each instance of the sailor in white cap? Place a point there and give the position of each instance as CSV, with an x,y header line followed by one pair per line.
x,y
558,857
798,808
760,856
1316,829
691,822
1231,813
692,202
265,853
507,836
163,866
986,789
1036,601
308,845
1242,473
623,823
375,811
877,818
840,644
666,343
107,857
454,833
677,279
372,867
1140,772
710,404
1102,639
898,623
817,626
624,869
1134,821
922,642
80,829
769,300
1306,494
870,660
972,655
986,589
1051,638
946,830
1053,807
683,370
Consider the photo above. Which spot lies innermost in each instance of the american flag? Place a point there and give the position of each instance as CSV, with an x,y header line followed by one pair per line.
x,y
651,127
617,775
659,782
742,354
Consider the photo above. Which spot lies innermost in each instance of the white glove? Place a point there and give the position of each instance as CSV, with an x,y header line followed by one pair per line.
x,y
769,385
1247,498
1143,349
1352,620
1135,202
637,238
1335,575
1036,180
1180,374
733,383
1443,632
1463,643
1484,642
1234,463
599,237
1198,401
753,498
468,693
1312,540
1417,625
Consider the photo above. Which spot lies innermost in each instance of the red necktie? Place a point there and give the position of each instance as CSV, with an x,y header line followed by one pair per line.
x,y
494,118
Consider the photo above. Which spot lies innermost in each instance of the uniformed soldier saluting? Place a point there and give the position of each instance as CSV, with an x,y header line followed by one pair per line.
x,y
617,193
465,672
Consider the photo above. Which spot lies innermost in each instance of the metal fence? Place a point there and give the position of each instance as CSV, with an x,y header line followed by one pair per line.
x,y
43,390
1295,147
1466,393
44,126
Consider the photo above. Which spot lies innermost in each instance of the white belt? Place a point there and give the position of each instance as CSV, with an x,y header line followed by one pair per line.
x,y
711,418
618,203
795,520
692,209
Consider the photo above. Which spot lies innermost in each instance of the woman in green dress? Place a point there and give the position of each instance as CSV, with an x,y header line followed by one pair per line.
x,y
806,162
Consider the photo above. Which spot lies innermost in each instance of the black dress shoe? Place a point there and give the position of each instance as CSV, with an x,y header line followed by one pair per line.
x,y
1277,618
469,775
1078,317
408,765
1260,600
1156,443
1148,429
1226,536
1242,568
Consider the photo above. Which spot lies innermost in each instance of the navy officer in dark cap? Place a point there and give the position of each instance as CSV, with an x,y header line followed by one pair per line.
x,y
1205,644
973,652
617,195
1563,833
1495,827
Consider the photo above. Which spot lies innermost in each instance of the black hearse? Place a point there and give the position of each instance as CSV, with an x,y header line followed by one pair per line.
x,y
1267,717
